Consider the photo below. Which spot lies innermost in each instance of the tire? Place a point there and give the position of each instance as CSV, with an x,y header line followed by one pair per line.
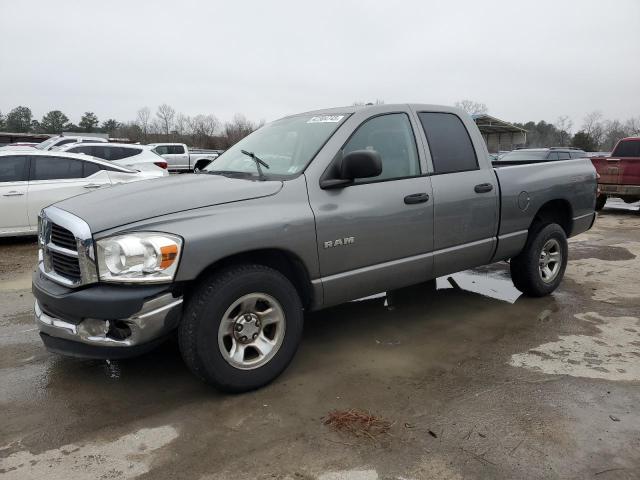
x,y
528,274
600,201
207,344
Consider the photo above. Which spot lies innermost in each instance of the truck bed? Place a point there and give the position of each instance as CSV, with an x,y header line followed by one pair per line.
x,y
526,187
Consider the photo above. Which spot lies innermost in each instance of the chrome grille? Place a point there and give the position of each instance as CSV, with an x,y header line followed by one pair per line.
x,y
63,238
66,266
66,248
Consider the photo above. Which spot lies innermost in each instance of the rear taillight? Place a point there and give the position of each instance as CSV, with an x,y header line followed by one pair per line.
x,y
161,164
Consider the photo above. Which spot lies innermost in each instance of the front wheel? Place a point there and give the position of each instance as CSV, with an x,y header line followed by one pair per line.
x,y
539,268
241,328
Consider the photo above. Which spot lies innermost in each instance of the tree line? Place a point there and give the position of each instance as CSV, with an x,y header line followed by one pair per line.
x,y
164,125
596,133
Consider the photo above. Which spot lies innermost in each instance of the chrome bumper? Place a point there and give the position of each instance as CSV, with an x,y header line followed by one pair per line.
x,y
155,319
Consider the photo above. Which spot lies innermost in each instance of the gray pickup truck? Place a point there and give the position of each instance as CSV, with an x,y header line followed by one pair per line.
x,y
307,212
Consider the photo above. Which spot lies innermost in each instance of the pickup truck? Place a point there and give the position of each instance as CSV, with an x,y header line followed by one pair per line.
x,y
181,158
619,172
310,211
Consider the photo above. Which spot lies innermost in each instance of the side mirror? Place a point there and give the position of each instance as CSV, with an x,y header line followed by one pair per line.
x,y
361,164
356,164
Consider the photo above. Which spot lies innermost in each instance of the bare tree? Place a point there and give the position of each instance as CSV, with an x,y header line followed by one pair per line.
x,y
203,128
593,127
238,128
143,121
165,114
472,107
563,125
181,125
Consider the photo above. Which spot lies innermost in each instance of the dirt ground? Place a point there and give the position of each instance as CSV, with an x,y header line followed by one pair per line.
x,y
476,381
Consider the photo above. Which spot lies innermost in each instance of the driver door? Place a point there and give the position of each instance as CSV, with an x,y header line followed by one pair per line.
x,y
376,234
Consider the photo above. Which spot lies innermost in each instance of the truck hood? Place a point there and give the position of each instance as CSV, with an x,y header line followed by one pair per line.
x,y
131,202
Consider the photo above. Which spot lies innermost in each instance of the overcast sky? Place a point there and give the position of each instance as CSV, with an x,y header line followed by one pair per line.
x,y
271,58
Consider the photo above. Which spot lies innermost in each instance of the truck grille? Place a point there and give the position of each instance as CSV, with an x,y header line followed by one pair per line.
x,y
66,248
68,267
63,238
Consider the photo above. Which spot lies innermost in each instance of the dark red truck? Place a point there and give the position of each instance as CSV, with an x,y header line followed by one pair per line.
x,y
619,173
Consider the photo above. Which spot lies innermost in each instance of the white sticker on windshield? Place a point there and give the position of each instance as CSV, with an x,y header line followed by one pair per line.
x,y
326,119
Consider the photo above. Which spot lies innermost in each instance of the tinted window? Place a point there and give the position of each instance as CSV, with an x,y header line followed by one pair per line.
x,y
449,142
392,137
577,154
176,149
13,169
54,168
90,168
162,149
82,149
553,156
64,142
101,152
628,148
124,152
564,155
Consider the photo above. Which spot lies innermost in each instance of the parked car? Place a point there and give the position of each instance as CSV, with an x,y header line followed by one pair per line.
x,y
132,156
56,141
29,181
620,172
181,158
540,155
309,211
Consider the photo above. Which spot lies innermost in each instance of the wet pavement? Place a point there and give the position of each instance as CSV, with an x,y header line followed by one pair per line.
x,y
477,381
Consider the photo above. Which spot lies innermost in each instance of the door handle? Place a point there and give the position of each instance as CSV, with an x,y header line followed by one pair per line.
x,y
483,188
416,198
13,193
92,185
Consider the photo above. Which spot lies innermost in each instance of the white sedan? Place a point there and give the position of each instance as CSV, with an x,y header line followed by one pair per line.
x,y
32,180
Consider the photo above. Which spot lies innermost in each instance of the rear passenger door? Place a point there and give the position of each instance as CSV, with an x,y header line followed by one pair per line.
x,y
52,179
465,196
14,172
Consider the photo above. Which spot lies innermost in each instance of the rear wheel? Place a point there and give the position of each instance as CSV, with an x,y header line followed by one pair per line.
x,y
600,202
241,327
539,268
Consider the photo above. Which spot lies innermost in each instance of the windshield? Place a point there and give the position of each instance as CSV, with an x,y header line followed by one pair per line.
x,y
286,146
46,144
523,155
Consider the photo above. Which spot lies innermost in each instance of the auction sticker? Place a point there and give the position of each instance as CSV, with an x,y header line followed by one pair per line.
x,y
326,119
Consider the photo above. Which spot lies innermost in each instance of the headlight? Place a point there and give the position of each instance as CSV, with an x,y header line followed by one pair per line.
x,y
143,257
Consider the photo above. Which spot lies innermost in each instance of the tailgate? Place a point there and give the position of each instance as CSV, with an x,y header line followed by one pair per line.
x,y
607,168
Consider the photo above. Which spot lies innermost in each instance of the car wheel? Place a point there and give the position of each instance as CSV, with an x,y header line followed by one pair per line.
x,y
539,268
600,202
241,327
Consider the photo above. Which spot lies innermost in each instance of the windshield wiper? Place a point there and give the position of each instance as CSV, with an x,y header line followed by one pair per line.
x,y
258,163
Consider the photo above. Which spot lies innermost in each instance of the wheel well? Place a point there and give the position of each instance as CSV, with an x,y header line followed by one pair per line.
x,y
555,211
283,261
201,163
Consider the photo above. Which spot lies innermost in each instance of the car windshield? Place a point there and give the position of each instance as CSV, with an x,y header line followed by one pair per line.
x,y
46,144
286,146
524,155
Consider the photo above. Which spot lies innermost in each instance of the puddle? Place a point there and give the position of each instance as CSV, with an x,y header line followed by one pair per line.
x,y
489,284
126,457
611,354
492,284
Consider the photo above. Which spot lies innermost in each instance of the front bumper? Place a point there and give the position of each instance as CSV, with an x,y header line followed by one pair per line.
x,y
104,321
